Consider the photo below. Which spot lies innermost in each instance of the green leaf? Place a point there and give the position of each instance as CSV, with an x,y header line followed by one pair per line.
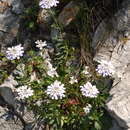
x,y
97,125
31,25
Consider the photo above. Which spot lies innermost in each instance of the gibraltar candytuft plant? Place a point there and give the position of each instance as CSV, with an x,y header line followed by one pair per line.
x,y
56,90
57,95
105,68
14,52
89,90
87,109
40,44
24,92
85,71
60,95
47,4
73,80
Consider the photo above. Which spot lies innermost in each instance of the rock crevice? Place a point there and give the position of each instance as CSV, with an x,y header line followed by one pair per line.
x,y
113,42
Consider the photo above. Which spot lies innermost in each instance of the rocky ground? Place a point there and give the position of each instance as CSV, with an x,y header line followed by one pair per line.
x,y
110,41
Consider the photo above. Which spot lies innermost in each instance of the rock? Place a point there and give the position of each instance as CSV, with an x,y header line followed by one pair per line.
x,y
7,123
7,94
112,43
44,19
27,115
6,90
44,16
17,6
115,126
68,14
119,105
9,20
18,108
55,34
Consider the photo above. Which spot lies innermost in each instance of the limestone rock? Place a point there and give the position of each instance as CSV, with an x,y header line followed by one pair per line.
x,y
119,106
115,126
44,16
7,123
6,90
44,20
9,20
112,43
68,14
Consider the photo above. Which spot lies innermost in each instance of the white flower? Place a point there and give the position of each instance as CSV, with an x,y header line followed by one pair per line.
x,y
14,52
73,80
34,77
85,71
105,68
47,4
24,92
45,54
87,108
89,90
40,44
48,63
50,70
56,90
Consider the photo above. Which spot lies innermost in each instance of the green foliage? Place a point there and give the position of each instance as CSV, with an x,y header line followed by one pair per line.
x,y
61,45
66,113
6,67
30,16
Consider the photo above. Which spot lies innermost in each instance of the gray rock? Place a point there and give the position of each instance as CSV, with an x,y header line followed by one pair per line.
x,y
44,20
115,126
55,34
6,90
17,7
21,112
112,43
7,94
44,16
9,20
6,123
68,14
119,105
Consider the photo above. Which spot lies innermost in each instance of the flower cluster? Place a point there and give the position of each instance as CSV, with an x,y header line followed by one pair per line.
x,y
87,108
14,52
24,92
40,44
85,71
56,90
50,70
47,4
73,80
89,90
105,68
61,100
